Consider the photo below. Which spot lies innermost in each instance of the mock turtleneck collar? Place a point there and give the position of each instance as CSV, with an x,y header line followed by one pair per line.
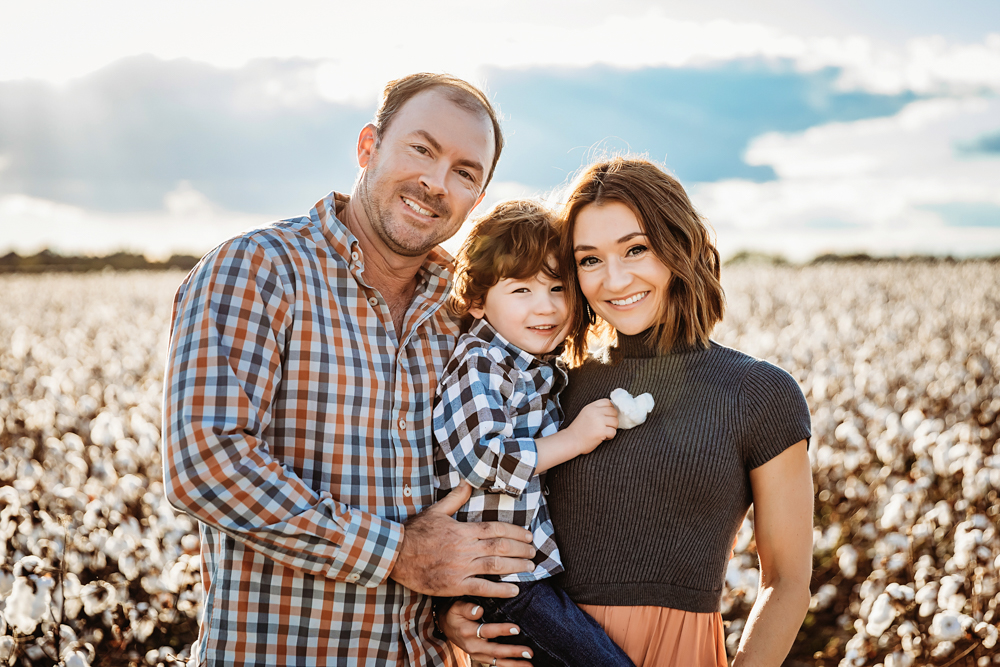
x,y
639,347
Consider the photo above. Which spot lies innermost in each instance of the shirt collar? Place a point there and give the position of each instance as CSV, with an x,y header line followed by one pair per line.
x,y
523,360
434,276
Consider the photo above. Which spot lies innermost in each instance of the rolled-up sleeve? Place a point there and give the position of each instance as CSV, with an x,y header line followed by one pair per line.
x,y
474,430
231,318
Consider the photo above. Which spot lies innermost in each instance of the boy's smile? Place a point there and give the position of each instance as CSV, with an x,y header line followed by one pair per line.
x,y
530,313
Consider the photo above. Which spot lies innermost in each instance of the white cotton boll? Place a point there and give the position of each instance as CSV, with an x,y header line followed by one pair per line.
x,y
899,659
943,649
76,659
900,593
989,634
926,597
882,614
824,597
946,627
6,583
192,542
950,596
7,646
894,513
28,602
631,411
847,560
751,581
97,596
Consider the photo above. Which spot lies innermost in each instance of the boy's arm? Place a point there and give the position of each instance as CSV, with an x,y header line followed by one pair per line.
x,y
474,431
597,422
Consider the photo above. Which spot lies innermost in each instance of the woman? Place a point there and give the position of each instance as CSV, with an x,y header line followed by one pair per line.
x,y
646,522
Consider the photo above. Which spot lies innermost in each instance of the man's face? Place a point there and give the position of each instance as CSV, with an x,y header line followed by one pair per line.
x,y
426,173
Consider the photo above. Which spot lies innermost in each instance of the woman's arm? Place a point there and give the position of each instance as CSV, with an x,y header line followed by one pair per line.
x,y
783,512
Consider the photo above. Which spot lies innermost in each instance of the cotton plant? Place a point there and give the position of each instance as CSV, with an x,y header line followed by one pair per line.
x,y
899,364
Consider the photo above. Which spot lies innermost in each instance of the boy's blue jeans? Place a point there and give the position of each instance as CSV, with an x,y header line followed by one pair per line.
x,y
559,633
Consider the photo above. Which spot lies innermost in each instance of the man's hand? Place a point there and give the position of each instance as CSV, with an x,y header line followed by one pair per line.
x,y
444,557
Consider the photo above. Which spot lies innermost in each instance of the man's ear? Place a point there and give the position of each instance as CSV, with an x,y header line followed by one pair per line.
x,y
478,201
366,145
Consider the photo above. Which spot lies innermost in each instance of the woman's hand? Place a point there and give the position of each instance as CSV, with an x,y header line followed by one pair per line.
x,y
460,625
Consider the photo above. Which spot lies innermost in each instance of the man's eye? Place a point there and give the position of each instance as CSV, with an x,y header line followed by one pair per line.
x,y
466,175
421,149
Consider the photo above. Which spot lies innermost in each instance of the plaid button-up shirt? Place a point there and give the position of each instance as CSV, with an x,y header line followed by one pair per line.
x,y
297,429
494,400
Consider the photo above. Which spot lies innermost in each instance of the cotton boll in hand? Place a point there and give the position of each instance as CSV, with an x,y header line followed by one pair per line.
x,y
631,411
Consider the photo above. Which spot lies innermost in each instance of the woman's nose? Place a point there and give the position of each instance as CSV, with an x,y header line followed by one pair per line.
x,y
616,277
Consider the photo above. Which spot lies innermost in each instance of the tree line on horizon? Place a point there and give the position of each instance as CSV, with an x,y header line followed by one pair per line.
x,y
47,261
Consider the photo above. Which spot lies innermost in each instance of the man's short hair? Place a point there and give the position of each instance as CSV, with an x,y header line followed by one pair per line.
x,y
460,92
515,239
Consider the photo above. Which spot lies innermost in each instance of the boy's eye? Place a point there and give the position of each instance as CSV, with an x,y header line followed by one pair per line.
x,y
557,288
521,290
636,250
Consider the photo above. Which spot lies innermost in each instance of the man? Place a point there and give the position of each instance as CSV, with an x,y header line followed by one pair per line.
x,y
297,410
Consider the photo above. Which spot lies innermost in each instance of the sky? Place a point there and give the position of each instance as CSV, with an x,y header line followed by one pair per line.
x,y
797,128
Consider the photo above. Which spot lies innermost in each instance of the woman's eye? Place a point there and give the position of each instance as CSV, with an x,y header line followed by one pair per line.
x,y
636,250
588,261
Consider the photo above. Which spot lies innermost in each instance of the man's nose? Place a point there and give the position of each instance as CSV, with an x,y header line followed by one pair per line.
x,y
435,179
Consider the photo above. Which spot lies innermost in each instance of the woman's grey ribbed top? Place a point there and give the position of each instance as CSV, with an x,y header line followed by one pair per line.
x,y
650,516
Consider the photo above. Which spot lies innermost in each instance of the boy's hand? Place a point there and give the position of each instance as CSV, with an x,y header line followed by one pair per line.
x,y
597,422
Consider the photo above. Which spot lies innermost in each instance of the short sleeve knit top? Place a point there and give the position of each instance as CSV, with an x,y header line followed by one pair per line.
x,y
650,516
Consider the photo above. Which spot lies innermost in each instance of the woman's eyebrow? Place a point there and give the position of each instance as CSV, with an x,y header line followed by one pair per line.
x,y
624,239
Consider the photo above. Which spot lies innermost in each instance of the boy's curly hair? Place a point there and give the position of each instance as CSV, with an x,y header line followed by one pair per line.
x,y
515,239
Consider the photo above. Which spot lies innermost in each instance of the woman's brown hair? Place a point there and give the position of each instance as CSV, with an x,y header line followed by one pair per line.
x,y
515,239
676,234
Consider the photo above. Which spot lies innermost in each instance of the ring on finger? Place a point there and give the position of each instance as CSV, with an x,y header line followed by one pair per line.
x,y
479,631
494,663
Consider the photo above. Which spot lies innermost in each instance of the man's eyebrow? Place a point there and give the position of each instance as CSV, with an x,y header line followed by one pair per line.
x,y
471,164
624,239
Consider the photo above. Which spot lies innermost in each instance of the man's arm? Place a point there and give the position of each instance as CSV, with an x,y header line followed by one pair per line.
x,y
223,369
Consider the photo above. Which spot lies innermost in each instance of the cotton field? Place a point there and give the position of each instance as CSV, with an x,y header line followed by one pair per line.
x,y
898,362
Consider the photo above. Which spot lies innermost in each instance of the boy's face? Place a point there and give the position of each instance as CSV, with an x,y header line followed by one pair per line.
x,y
531,313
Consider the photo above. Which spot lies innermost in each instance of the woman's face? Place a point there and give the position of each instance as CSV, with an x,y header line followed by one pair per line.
x,y
622,279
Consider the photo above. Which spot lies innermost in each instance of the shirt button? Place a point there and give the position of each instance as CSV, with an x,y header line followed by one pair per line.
x,y
354,576
406,490
354,256
373,301
402,424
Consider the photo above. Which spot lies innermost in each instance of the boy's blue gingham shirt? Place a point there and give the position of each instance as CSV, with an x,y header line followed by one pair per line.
x,y
297,429
494,400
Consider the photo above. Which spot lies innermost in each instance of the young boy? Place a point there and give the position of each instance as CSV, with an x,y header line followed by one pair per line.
x,y
496,420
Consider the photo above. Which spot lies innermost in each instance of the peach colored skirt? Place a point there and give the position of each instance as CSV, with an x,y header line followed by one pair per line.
x,y
661,637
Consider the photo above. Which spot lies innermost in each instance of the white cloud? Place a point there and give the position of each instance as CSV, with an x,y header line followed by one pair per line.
x,y
189,224
878,185
362,45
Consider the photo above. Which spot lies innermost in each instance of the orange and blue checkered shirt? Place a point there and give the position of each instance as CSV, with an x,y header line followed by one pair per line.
x,y
297,430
